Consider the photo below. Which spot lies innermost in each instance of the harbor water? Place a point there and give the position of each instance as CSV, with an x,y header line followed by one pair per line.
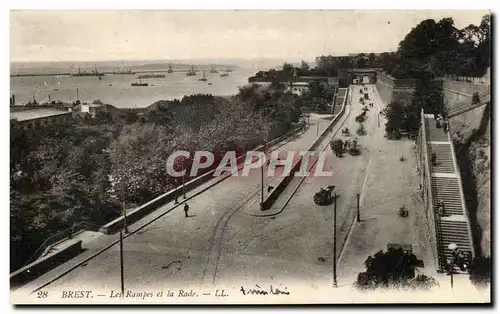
x,y
117,90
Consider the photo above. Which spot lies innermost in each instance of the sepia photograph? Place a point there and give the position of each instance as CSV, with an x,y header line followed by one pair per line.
x,y
181,157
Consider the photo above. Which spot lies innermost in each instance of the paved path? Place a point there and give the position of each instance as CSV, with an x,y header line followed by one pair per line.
x,y
390,183
171,251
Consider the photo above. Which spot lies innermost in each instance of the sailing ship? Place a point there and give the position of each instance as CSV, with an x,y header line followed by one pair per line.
x,y
170,69
203,78
140,83
123,72
85,73
151,76
191,71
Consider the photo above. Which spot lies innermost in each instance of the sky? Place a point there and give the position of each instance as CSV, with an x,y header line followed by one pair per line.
x,y
150,35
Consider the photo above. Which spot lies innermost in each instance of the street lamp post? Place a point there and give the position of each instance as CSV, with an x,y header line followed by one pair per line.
x,y
122,279
450,265
450,270
262,180
183,180
335,239
124,209
264,148
358,196
176,191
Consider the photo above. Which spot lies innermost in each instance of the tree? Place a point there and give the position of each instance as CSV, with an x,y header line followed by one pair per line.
x,y
138,159
287,72
361,130
394,113
304,66
391,269
480,271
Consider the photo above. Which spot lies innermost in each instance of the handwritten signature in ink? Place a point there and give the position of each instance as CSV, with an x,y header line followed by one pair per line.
x,y
260,291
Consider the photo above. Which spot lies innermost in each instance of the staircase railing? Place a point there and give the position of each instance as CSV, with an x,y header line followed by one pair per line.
x,y
430,195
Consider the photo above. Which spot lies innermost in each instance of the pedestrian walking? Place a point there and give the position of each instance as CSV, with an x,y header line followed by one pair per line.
x,y
186,209
433,159
441,208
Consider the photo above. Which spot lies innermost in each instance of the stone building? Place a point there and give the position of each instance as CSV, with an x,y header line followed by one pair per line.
x,y
37,117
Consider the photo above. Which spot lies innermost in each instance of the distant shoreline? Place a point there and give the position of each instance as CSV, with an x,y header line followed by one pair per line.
x,y
105,73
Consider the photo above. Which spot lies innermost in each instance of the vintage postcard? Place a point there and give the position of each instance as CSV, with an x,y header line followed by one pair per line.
x,y
250,157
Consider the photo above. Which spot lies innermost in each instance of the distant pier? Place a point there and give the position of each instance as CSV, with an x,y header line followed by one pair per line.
x,y
106,73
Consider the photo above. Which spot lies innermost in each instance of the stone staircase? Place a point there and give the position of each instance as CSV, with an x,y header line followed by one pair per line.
x,y
446,189
467,105
444,160
453,226
453,231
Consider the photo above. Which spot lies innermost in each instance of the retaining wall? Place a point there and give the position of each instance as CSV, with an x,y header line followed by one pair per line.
x,y
280,187
391,89
43,265
456,93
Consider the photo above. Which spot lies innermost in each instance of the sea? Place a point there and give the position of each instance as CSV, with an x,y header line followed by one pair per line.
x,y
116,89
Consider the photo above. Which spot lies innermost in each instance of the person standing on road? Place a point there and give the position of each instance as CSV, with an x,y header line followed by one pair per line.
x,y
186,209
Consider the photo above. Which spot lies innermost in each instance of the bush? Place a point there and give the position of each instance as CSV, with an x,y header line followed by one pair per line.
x,y
480,271
392,269
361,129
422,282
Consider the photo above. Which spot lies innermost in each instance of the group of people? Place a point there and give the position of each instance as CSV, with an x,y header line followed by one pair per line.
x,y
459,257
348,144
440,121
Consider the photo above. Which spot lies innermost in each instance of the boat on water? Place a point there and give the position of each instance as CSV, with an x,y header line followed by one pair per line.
x,y
85,73
140,83
191,71
228,70
203,78
224,75
151,76
122,72
213,70
170,69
